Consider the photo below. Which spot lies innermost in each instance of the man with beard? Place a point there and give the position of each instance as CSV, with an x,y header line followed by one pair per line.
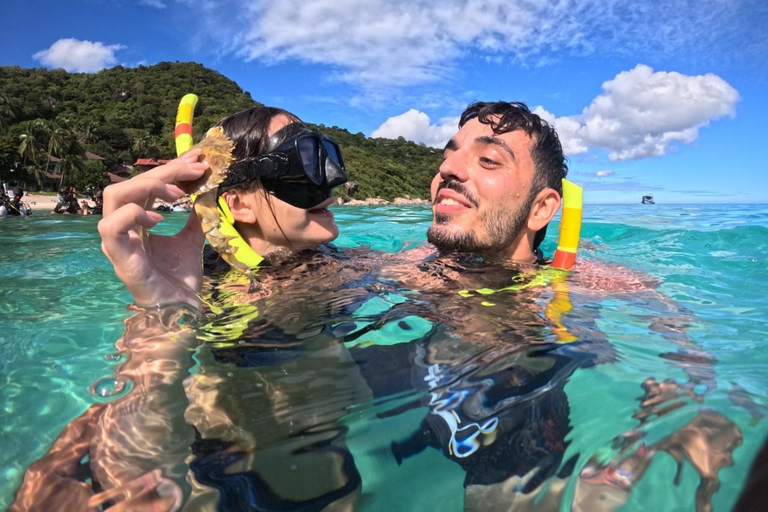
x,y
499,185
506,421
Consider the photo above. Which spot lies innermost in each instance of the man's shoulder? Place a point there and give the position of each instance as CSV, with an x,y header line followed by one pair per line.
x,y
417,253
604,276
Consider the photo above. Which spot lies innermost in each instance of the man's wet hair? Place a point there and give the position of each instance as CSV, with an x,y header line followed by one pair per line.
x,y
549,162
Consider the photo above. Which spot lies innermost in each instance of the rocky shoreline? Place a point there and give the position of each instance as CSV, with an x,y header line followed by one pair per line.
x,y
377,201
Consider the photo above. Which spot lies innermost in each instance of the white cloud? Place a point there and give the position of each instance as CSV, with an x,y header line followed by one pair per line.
x,y
393,43
78,56
639,114
568,129
415,126
603,174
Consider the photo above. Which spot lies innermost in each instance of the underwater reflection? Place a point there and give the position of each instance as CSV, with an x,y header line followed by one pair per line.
x,y
353,371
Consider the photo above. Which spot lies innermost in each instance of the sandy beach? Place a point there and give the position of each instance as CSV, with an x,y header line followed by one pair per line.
x,y
41,202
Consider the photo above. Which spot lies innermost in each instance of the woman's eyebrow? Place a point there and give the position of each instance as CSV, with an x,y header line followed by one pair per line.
x,y
487,140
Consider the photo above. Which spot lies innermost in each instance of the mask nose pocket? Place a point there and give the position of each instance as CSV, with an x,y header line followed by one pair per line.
x,y
334,174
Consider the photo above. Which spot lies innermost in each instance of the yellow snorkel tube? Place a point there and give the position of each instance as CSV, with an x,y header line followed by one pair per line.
x,y
564,258
570,226
245,257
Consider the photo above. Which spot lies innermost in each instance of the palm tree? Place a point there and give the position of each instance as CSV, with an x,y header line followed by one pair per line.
x,y
32,146
86,133
141,144
6,113
73,162
58,140
153,149
70,151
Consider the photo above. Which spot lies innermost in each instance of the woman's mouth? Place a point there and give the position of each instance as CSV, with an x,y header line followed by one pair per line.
x,y
322,208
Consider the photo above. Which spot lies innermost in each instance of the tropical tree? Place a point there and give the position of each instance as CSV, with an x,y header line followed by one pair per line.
x,y
72,155
86,133
141,144
6,113
59,139
153,149
92,175
70,165
33,144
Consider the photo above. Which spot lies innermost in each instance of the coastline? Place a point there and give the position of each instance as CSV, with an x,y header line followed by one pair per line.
x,y
37,201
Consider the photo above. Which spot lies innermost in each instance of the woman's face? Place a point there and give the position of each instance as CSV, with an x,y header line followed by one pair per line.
x,y
281,225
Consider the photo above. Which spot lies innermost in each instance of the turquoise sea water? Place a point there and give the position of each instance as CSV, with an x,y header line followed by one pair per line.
x,y
62,309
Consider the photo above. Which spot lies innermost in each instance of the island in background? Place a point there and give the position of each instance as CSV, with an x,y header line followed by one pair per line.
x,y
107,125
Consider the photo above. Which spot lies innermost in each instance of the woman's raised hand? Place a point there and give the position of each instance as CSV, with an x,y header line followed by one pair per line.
x,y
156,269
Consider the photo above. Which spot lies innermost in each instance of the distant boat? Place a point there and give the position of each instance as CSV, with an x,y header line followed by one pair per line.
x,y
648,200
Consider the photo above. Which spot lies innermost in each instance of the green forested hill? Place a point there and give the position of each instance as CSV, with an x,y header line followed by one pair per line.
x,y
126,113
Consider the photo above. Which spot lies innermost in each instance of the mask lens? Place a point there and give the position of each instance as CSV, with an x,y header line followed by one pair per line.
x,y
333,152
308,152
306,196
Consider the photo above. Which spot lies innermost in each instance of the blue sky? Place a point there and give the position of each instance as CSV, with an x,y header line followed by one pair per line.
x,y
666,99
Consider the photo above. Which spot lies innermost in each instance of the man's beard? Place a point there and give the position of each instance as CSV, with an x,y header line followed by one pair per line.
x,y
500,226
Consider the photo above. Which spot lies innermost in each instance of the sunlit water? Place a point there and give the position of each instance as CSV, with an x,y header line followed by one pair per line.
x,y
425,400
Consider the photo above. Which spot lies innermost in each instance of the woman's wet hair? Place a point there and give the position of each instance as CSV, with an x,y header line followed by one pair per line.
x,y
249,130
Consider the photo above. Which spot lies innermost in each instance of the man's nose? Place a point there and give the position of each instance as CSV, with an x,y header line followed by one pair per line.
x,y
454,167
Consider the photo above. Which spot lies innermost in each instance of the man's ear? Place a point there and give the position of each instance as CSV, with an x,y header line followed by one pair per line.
x,y
544,207
241,210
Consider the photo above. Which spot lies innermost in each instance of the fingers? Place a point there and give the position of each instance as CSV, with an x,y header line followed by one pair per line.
x,y
116,230
150,492
185,168
157,183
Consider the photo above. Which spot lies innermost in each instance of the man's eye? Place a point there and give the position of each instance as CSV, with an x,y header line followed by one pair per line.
x,y
488,161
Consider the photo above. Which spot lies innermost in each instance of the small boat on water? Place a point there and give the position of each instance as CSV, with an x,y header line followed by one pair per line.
x,y
648,200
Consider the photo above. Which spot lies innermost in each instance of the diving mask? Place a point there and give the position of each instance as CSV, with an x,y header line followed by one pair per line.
x,y
301,171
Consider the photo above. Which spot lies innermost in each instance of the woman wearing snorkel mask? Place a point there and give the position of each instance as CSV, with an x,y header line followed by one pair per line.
x,y
279,188
277,194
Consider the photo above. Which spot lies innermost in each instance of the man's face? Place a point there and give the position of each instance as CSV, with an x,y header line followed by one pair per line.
x,y
481,196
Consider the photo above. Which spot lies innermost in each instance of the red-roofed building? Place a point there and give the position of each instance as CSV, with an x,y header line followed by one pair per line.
x,y
145,164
